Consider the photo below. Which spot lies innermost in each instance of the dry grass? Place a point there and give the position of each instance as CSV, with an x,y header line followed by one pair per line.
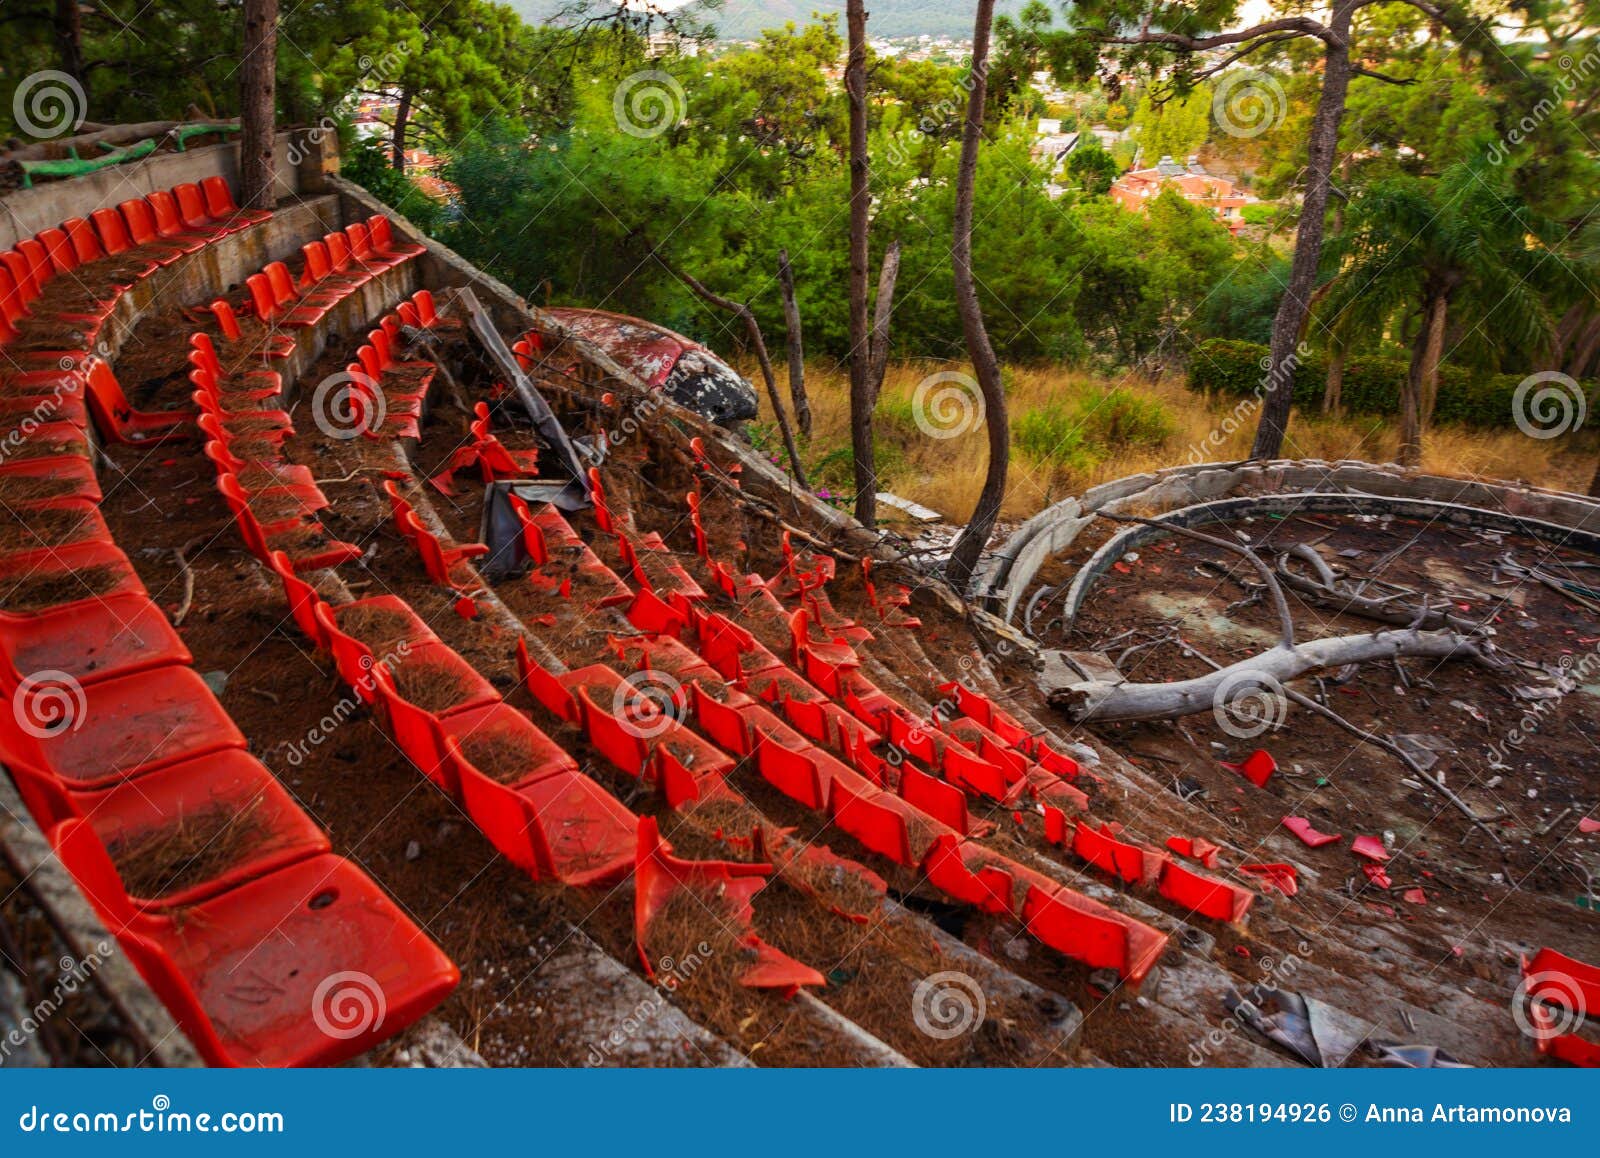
x,y
1072,430
197,848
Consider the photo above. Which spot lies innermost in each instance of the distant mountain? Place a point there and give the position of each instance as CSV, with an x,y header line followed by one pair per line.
x,y
744,19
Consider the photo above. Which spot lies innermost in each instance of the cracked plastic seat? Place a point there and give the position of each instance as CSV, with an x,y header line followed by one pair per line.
x,y
267,974
192,792
121,727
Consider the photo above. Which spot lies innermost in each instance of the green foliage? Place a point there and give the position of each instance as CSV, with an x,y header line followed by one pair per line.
x,y
1371,385
366,162
1091,168
1091,427
1175,127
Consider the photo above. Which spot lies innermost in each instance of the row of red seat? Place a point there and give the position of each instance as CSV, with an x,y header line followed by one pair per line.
x,y
549,818
116,744
100,262
274,503
335,266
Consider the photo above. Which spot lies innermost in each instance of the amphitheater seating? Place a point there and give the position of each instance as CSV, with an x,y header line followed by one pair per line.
x,y
123,742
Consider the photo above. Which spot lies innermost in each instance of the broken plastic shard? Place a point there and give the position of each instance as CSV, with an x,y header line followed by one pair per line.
x,y
1301,827
1415,1057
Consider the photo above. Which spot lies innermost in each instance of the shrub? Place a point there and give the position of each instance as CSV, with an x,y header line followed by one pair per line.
x,y
1371,385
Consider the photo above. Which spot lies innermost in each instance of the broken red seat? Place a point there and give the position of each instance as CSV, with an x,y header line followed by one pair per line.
x,y
119,728
441,562
1131,863
310,965
1301,827
1257,767
1203,895
131,813
1195,848
572,561
90,640
964,870
1276,875
726,885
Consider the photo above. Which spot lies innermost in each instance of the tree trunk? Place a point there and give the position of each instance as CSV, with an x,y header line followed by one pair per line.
x,y
964,556
69,39
1335,381
1292,310
402,117
796,347
1432,352
258,75
861,401
888,274
1411,398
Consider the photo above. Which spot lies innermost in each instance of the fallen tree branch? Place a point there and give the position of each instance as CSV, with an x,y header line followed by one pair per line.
x,y
1103,701
1376,741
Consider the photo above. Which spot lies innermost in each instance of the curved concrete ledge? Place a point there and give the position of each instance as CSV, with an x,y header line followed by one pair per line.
x,y
1314,502
1007,574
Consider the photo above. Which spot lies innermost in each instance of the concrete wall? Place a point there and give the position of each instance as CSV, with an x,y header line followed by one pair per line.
x,y
219,269
1007,574
24,212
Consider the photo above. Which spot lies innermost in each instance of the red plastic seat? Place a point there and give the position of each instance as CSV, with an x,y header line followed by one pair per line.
x,y
171,226
91,641
131,812
864,812
121,727
58,247
589,832
438,560
308,966
85,245
221,207
381,230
